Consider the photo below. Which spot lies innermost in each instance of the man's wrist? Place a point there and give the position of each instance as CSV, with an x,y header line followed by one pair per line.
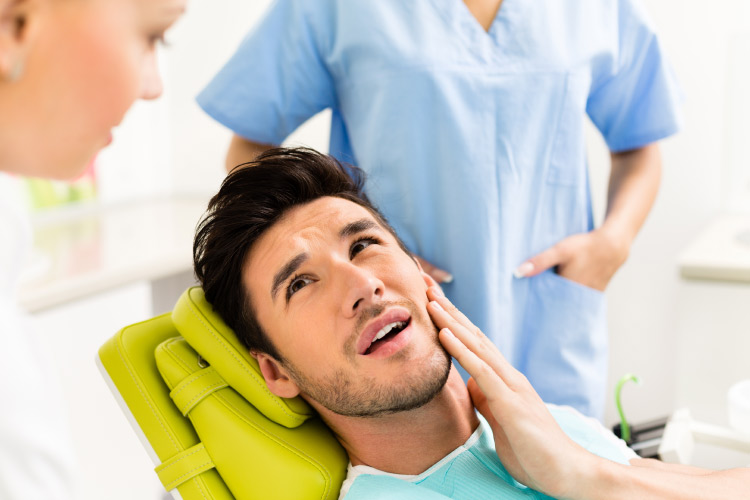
x,y
601,479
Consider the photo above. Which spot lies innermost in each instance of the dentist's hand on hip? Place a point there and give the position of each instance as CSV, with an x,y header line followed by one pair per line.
x,y
590,259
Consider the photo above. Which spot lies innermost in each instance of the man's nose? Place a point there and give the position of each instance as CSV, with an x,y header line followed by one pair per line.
x,y
362,288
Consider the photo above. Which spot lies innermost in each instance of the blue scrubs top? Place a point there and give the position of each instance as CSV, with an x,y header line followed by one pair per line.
x,y
473,142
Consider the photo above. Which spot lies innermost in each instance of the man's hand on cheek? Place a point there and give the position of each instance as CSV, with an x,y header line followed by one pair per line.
x,y
531,445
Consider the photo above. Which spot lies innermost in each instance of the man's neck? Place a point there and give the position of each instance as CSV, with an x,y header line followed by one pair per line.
x,y
410,442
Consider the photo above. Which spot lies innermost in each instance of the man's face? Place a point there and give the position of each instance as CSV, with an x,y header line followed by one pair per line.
x,y
327,281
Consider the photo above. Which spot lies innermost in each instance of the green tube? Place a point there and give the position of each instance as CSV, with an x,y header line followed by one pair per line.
x,y
624,427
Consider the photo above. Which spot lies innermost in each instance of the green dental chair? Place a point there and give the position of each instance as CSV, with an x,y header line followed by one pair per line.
x,y
198,402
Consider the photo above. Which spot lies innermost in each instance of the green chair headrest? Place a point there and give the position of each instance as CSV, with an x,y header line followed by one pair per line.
x,y
207,333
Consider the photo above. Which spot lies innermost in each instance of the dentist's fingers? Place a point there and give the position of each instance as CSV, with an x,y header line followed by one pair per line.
x,y
542,261
439,275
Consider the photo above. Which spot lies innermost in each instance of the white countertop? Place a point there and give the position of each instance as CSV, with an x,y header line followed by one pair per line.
x,y
93,249
721,252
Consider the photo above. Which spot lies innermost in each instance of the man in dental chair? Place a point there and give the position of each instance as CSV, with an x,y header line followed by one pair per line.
x,y
335,309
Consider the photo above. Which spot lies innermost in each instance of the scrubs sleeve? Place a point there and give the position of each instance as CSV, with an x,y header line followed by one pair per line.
x,y
635,97
277,78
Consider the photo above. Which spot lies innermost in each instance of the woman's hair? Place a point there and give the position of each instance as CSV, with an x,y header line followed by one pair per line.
x,y
252,198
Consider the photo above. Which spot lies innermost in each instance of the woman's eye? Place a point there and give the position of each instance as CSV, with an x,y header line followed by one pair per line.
x,y
157,39
360,245
296,285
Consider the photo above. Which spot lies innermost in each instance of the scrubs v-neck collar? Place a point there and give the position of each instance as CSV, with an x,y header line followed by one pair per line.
x,y
498,41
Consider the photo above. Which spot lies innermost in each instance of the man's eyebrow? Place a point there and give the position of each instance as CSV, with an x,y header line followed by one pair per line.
x,y
358,226
287,271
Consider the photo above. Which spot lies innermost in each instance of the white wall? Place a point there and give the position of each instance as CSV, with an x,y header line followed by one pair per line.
x,y
200,44
687,340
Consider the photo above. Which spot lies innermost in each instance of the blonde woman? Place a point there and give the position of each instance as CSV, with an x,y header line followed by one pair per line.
x,y
69,70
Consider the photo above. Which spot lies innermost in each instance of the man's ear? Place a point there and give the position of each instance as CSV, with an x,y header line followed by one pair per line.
x,y
277,377
14,39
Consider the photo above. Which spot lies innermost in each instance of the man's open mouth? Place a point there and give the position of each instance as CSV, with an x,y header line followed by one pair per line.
x,y
386,334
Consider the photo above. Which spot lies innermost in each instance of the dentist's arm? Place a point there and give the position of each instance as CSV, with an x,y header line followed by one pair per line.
x,y
536,451
242,150
593,258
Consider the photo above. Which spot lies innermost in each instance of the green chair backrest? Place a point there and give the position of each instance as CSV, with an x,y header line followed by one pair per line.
x,y
200,405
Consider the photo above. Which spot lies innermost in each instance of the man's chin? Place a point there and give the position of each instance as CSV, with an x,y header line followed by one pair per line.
x,y
412,389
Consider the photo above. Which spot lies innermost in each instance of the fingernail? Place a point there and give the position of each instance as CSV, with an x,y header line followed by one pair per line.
x,y
448,332
523,270
437,291
437,306
447,278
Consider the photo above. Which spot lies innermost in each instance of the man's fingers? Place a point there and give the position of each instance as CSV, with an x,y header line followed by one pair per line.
x,y
479,399
488,380
436,295
445,315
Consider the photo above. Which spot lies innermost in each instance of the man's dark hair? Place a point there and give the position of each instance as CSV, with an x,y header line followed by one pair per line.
x,y
252,198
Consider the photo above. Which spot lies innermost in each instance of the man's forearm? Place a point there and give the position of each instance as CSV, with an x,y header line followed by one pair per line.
x,y
633,184
242,151
613,481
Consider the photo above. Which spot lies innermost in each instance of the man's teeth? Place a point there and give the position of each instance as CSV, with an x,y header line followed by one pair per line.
x,y
387,329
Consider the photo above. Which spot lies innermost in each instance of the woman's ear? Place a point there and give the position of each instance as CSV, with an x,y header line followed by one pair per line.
x,y
277,378
14,21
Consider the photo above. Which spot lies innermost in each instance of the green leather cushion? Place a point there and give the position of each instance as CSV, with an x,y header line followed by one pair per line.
x,y
128,358
207,333
256,458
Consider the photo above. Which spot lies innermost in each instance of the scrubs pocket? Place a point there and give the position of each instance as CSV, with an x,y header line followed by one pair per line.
x,y
564,351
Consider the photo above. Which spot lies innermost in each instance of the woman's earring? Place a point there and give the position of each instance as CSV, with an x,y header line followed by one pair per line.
x,y
16,70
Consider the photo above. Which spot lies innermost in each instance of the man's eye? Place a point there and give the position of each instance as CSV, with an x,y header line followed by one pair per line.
x,y
296,285
360,245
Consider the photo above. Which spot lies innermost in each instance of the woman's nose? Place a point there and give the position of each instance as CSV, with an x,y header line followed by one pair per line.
x,y
151,84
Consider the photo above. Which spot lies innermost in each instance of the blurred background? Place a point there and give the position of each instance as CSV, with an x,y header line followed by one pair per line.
x,y
679,310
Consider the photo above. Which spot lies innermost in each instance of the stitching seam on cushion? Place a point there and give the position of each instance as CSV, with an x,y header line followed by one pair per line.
x,y
187,385
148,402
253,376
172,484
183,458
267,435
199,396
198,484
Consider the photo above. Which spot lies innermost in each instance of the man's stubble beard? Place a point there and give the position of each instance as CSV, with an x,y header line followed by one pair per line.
x,y
368,398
